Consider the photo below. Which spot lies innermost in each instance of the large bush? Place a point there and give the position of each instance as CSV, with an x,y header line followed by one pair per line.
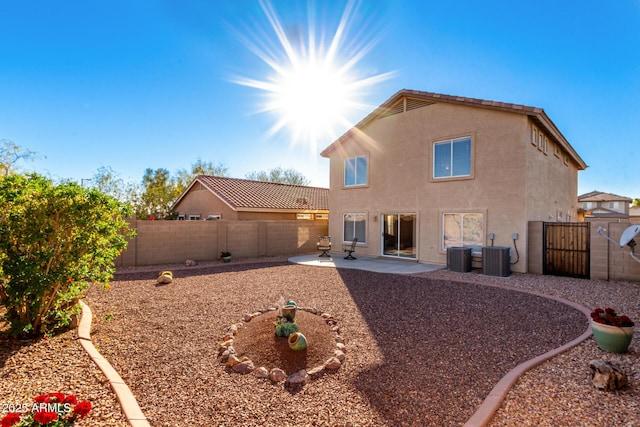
x,y
55,239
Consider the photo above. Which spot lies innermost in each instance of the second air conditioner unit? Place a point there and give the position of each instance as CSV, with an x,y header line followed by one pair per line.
x,y
496,261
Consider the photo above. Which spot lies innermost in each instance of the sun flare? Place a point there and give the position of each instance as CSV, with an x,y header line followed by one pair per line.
x,y
314,85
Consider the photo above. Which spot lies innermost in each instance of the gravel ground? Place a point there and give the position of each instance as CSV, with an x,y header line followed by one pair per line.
x,y
421,350
29,368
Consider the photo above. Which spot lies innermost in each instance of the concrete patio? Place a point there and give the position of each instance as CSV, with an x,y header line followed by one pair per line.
x,y
378,265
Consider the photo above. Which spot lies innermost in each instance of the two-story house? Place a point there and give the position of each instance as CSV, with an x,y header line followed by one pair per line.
x,y
426,171
599,205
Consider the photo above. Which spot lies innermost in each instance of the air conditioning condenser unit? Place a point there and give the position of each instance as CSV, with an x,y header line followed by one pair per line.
x,y
459,259
496,261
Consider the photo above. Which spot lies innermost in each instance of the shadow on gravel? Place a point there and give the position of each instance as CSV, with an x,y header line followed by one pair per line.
x,y
183,272
10,346
446,344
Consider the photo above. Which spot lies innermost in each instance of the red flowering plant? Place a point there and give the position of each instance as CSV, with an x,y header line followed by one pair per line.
x,y
48,410
608,316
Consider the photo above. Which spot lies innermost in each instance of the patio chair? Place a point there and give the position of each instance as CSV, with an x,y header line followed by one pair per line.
x,y
324,245
350,248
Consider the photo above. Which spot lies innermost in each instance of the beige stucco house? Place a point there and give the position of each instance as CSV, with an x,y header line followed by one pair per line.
x,y
597,205
426,171
215,197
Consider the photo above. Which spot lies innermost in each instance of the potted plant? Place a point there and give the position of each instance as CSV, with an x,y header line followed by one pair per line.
x,y
226,256
612,332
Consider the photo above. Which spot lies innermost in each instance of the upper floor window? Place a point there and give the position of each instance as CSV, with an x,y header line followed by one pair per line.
x,y
589,205
617,206
355,171
452,158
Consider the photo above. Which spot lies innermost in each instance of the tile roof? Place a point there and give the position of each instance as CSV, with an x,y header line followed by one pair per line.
x,y
243,193
599,196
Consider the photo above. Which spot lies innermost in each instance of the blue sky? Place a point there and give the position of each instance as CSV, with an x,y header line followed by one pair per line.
x,y
143,84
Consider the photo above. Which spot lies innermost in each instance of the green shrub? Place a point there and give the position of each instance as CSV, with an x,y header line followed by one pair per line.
x,y
55,239
285,329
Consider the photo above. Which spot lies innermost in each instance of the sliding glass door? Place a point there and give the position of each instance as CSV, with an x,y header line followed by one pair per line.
x,y
399,235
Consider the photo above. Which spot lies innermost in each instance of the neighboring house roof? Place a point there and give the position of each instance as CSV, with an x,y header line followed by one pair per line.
x,y
634,211
416,99
599,196
243,194
605,213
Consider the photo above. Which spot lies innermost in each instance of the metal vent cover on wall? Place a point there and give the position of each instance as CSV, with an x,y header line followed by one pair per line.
x,y
459,259
496,261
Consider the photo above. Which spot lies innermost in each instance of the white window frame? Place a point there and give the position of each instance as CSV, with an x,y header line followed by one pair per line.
x,y
451,142
194,217
362,241
304,216
356,173
444,246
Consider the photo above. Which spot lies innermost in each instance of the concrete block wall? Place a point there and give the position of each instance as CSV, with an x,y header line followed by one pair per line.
x,y
170,242
599,248
534,247
620,265
608,261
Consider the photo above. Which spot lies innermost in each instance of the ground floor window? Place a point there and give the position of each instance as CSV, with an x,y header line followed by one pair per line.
x,y
462,229
355,225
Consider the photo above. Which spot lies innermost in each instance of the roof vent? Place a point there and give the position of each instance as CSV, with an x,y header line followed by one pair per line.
x,y
413,103
394,109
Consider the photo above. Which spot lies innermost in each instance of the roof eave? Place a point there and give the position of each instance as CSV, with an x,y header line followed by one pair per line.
x,y
538,113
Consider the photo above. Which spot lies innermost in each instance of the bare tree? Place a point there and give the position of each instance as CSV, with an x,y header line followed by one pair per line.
x,y
283,176
10,154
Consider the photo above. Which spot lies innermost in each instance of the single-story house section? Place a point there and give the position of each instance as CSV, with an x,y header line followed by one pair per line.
x,y
426,171
214,197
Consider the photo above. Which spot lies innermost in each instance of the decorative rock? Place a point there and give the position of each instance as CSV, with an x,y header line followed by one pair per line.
x,y
224,356
227,343
247,317
261,372
244,367
190,263
165,277
325,316
607,376
317,371
332,364
339,355
298,378
335,329
233,329
340,346
232,361
277,375
256,314
339,339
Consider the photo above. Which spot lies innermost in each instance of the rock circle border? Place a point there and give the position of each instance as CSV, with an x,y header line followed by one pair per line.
x,y
228,356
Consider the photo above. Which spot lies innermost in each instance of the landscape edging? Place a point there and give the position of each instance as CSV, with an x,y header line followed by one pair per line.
x,y
127,400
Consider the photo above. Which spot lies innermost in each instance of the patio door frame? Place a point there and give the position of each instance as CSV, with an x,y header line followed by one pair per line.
x,y
383,234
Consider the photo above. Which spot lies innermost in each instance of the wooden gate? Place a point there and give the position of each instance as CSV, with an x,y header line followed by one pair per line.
x,y
566,249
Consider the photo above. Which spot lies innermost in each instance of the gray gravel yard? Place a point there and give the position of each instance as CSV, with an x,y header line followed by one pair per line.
x,y
421,350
